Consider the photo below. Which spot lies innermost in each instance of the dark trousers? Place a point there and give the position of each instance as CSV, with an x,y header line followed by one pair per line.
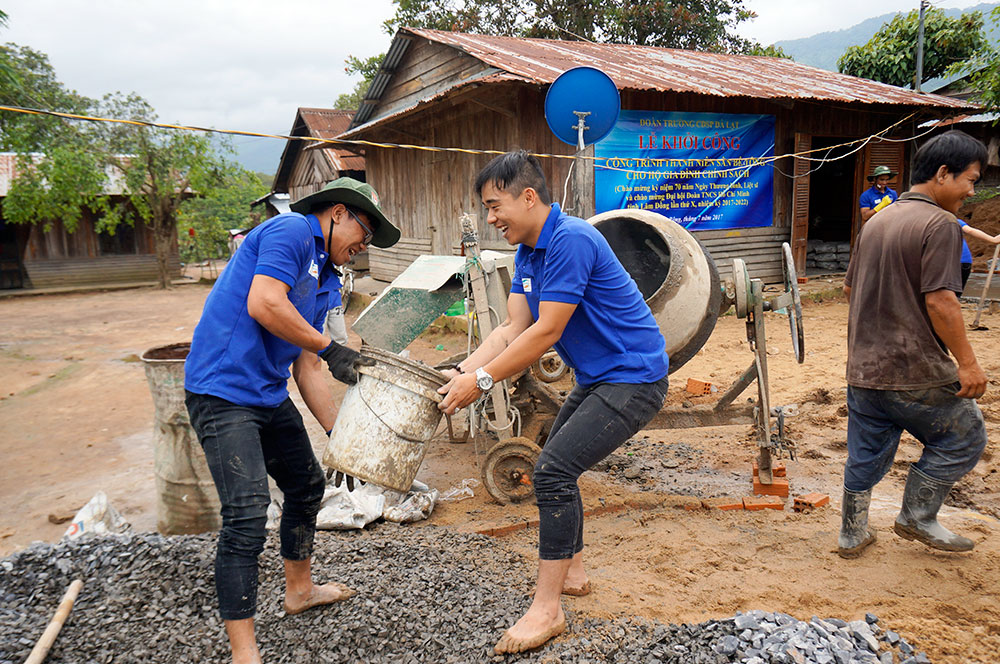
x,y
950,428
593,423
243,445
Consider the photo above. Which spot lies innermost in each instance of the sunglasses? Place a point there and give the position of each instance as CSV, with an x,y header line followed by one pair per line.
x,y
369,233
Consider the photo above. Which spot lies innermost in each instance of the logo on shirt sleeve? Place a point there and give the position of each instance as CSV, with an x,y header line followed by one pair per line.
x,y
314,270
526,284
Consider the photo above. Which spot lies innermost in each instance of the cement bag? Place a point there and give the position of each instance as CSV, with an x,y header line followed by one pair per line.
x,y
97,517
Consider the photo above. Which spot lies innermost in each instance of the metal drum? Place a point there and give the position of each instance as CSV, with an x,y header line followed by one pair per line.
x,y
186,499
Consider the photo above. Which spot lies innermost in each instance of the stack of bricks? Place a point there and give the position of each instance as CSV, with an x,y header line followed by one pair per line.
x,y
778,485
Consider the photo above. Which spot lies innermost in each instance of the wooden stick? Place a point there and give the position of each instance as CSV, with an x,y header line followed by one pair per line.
x,y
41,648
986,287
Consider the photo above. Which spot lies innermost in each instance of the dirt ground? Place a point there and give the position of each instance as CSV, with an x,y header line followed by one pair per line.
x,y
76,417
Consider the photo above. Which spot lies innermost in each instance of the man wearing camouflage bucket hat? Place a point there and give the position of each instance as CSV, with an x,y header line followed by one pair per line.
x,y
879,195
265,315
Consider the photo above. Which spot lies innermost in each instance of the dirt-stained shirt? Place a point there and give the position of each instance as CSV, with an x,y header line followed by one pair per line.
x,y
905,251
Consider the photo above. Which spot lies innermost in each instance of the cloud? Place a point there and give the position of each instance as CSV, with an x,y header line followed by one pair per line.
x,y
235,65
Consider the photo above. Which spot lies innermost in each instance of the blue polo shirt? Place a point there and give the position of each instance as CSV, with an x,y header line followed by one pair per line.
x,y
966,252
612,336
872,197
232,356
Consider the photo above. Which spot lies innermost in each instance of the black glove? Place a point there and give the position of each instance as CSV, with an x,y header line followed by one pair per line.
x,y
344,362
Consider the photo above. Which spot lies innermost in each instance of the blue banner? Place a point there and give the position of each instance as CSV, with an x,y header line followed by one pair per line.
x,y
703,170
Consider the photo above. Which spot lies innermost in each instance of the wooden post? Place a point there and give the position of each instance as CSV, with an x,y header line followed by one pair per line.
x,y
583,183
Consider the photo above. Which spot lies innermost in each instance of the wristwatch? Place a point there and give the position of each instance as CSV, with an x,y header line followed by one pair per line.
x,y
484,381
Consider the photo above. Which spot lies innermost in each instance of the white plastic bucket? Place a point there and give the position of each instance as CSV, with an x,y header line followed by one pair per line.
x,y
385,421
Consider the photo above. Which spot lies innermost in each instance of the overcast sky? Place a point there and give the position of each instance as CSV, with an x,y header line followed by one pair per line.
x,y
248,64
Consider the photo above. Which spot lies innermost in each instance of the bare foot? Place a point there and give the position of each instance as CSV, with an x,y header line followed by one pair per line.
x,y
534,629
328,593
576,588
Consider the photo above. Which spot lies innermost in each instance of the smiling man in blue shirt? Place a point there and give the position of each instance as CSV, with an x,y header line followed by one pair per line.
x,y
569,291
265,315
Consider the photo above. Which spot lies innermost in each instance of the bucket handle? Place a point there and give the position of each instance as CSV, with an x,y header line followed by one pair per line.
x,y
386,424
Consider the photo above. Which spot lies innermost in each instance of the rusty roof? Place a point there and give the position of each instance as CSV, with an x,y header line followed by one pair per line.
x,y
321,123
632,67
675,70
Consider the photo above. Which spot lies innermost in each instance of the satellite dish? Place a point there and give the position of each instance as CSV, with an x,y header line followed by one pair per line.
x,y
582,95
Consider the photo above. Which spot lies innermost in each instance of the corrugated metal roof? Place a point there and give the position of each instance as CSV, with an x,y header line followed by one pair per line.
x,y
114,186
330,123
674,70
962,119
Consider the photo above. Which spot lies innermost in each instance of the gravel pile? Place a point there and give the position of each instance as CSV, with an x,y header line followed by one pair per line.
x,y
426,595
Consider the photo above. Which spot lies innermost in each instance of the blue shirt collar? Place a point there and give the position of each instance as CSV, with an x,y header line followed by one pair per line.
x,y
549,227
321,255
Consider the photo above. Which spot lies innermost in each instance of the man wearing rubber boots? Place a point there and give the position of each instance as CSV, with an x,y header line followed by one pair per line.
x,y
569,290
264,315
905,317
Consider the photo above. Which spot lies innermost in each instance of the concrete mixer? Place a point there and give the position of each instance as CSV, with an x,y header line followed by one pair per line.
x,y
678,279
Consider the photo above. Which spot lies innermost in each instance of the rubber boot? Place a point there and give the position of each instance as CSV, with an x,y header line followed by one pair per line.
x,y
855,535
917,520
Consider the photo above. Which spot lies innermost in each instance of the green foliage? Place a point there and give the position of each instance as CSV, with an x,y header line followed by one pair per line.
x,y
771,51
890,55
367,68
226,205
983,69
704,25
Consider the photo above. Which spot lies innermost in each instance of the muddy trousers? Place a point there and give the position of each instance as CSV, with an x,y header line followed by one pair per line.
x,y
243,445
950,428
593,423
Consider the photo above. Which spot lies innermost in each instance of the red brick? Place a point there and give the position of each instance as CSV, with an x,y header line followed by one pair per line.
x,y
534,523
600,510
777,469
692,505
777,487
723,503
810,501
500,531
698,387
753,503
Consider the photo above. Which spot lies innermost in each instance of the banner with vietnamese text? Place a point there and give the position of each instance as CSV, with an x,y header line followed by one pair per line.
x,y
703,170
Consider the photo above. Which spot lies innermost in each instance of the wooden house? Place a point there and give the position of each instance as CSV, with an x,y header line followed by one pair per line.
x,y
484,92
305,167
38,257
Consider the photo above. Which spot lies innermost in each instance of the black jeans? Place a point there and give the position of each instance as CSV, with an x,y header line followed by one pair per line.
x,y
593,423
243,445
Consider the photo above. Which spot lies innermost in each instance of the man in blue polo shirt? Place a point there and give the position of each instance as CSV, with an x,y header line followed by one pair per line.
x,y
570,291
879,195
264,315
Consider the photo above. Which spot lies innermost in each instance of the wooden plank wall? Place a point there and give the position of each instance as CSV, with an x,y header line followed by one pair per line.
x,y
310,172
56,273
425,193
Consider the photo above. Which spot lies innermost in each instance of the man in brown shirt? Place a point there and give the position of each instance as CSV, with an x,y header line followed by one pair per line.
x,y
903,283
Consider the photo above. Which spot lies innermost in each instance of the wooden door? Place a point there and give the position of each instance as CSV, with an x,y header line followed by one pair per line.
x,y
879,152
800,204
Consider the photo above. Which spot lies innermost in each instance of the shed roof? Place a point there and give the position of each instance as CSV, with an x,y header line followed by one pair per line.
x,y
633,67
321,123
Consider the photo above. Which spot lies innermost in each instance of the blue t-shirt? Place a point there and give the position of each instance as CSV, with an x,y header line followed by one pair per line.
x,y
872,197
612,336
232,356
966,258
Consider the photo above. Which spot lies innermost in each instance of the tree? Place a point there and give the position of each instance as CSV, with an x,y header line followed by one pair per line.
x,y
983,70
704,25
225,206
890,55
367,67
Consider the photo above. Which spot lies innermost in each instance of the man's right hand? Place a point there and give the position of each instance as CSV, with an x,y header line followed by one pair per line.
x,y
344,362
973,381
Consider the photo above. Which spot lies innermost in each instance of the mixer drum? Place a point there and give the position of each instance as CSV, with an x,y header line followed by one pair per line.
x,y
674,272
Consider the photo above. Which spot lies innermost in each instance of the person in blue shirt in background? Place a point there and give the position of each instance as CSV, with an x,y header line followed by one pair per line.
x,y
569,291
874,198
264,315
966,259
